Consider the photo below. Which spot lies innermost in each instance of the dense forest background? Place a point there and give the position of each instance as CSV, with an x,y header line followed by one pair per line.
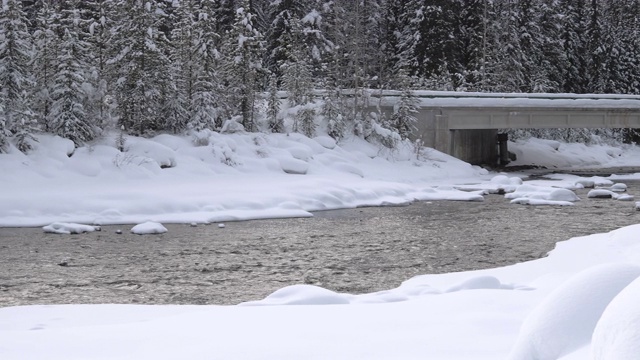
x,y
80,68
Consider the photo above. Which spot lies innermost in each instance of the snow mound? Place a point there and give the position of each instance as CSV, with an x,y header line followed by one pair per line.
x,y
68,228
526,201
326,142
617,334
601,194
625,197
161,154
232,127
293,166
564,321
149,227
541,195
586,183
302,295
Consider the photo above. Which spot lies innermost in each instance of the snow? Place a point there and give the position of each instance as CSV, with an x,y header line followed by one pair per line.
x,y
580,299
617,334
68,228
237,176
564,321
149,227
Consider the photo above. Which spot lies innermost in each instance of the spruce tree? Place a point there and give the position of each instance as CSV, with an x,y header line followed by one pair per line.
x,y
143,68
275,122
242,65
69,118
15,77
45,59
206,106
404,118
102,15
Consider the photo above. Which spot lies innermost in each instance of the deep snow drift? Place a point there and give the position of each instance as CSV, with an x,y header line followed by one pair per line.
x,y
578,301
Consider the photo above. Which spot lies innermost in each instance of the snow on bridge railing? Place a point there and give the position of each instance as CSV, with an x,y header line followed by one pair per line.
x,y
451,99
457,99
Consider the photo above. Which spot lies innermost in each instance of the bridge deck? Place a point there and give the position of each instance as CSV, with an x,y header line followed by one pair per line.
x,y
511,110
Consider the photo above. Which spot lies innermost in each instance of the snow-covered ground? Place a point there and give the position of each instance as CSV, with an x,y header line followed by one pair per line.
x,y
580,300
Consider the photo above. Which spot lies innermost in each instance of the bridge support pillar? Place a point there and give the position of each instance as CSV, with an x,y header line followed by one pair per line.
x,y
503,149
476,147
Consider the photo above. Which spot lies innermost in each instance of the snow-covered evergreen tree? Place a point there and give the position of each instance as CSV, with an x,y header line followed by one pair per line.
x,y
15,76
206,104
242,65
100,76
144,81
69,118
404,118
286,16
332,113
276,123
44,59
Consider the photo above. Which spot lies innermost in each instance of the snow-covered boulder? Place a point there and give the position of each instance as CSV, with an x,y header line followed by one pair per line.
x,y
564,321
617,334
161,154
625,197
149,227
231,127
68,228
586,183
601,194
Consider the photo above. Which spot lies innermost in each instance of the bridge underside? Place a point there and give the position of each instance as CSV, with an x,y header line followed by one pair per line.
x,y
470,133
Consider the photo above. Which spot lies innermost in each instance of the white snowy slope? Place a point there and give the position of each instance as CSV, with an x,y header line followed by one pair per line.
x,y
243,176
542,309
490,314
235,177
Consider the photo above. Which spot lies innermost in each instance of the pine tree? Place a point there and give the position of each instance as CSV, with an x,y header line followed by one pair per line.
x,y
404,118
331,112
242,65
15,77
143,68
101,20
183,66
286,18
206,103
45,59
576,78
276,124
68,115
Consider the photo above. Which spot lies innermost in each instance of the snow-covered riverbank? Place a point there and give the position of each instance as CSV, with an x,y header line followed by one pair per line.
x,y
581,299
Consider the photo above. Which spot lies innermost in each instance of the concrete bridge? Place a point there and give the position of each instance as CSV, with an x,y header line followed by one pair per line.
x,y
465,125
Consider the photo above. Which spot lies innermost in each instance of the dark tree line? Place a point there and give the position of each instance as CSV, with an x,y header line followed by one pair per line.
x,y
78,68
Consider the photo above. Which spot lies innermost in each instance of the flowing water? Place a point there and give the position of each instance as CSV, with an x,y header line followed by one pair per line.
x,y
353,251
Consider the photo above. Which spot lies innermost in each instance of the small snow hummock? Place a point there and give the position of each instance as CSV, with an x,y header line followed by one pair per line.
x,y
565,320
221,226
69,228
617,335
149,227
609,194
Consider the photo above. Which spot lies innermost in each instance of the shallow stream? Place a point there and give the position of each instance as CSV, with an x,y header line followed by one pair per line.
x,y
353,251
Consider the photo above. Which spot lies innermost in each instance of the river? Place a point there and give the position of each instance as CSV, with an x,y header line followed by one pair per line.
x,y
354,251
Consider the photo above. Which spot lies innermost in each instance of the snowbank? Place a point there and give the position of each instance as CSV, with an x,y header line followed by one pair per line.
x,y
542,309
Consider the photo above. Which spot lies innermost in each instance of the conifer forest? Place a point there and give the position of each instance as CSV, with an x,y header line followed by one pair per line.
x,y
79,69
